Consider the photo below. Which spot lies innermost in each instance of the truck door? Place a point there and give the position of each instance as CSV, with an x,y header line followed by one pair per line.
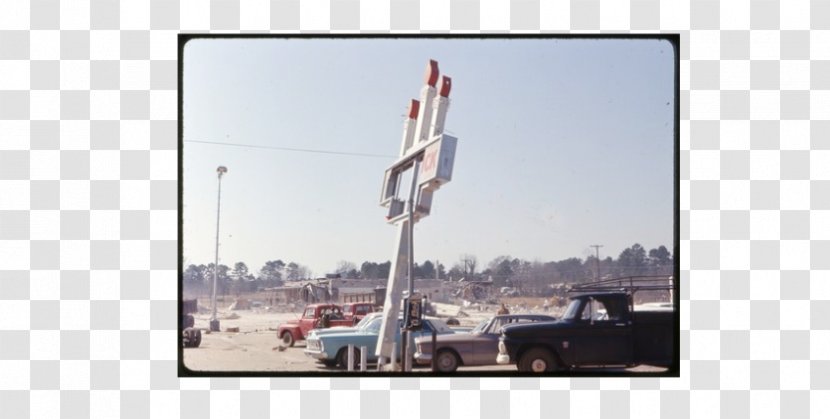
x,y
604,336
308,320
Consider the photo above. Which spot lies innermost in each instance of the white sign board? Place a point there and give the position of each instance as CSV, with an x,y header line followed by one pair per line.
x,y
436,167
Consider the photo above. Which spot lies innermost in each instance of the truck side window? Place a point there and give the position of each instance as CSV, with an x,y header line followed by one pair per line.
x,y
600,313
594,310
616,310
586,311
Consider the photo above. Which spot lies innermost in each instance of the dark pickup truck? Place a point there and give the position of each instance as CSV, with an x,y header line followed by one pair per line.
x,y
600,327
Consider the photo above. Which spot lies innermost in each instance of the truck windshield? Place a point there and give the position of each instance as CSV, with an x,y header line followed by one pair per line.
x,y
572,311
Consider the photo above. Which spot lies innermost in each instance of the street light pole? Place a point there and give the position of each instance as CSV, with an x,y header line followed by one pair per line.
x,y
214,322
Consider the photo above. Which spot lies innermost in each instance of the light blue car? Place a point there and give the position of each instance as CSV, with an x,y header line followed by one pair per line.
x,y
345,329
331,348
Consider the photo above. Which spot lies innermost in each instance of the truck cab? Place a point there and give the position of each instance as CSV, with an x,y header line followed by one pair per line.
x,y
357,311
601,329
314,316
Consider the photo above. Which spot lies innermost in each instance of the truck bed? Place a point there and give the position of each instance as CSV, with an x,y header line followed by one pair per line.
x,y
653,336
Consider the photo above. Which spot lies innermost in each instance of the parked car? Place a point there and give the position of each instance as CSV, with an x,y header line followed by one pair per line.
x,y
598,328
344,329
331,348
478,347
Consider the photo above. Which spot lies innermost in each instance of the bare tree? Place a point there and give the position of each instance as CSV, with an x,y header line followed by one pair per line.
x,y
468,264
345,268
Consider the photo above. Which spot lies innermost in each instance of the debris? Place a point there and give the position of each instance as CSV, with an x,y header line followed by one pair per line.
x,y
232,329
446,310
278,348
232,316
240,304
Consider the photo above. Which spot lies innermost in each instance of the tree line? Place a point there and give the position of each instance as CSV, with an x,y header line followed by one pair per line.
x,y
503,271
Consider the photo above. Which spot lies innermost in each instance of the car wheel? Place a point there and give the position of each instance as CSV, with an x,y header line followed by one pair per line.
x,y
537,360
343,358
288,339
446,361
192,338
185,338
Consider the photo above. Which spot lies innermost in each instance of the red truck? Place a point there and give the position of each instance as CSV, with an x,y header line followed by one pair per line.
x,y
321,316
357,311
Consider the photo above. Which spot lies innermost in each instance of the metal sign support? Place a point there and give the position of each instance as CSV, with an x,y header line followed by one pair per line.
x,y
430,155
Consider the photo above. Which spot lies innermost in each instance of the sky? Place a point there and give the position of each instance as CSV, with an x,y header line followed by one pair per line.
x,y
562,144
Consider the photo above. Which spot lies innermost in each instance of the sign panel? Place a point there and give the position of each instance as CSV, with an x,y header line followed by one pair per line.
x,y
437,164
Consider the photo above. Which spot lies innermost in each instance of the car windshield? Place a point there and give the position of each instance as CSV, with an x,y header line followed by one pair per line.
x,y
571,311
373,326
363,322
481,326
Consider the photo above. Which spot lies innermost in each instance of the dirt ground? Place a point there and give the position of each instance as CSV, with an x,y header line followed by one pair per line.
x,y
251,349
256,348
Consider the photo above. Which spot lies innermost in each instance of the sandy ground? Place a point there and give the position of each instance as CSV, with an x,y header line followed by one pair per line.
x,y
256,348
251,349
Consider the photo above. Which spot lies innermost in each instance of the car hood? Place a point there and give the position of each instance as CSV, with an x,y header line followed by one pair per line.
x,y
333,330
448,338
537,328
345,335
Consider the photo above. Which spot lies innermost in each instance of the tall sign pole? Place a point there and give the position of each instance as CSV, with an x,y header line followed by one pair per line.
x,y
429,154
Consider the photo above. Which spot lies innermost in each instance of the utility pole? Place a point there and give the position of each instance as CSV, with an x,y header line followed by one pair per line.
x,y
597,246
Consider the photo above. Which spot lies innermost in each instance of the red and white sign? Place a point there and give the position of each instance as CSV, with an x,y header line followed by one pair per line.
x,y
436,166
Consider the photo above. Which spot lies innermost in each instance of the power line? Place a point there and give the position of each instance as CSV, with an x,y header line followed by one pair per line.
x,y
302,150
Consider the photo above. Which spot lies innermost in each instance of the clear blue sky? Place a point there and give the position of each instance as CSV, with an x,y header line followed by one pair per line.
x,y
563,143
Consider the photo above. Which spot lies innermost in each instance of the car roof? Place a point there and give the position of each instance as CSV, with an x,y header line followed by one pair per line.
x,y
437,323
599,294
